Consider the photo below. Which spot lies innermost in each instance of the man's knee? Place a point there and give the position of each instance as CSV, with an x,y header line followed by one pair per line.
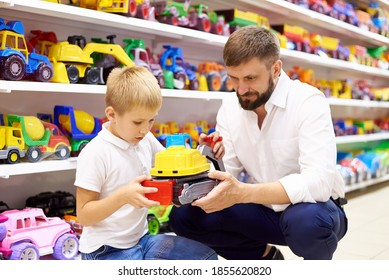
x,y
309,230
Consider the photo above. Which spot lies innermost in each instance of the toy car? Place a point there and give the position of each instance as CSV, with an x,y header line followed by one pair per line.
x,y
28,234
54,204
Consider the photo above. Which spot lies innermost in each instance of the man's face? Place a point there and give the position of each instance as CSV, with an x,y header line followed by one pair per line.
x,y
253,83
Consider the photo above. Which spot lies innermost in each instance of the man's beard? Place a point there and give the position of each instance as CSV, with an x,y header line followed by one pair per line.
x,y
259,101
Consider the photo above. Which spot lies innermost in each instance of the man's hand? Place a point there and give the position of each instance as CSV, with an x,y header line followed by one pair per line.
x,y
224,195
216,144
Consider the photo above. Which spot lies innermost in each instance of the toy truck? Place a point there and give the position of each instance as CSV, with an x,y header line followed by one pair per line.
x,y
11,144
297,36
28,234
132,8
41,138
16,61
77,125
173,60
71,62
136,50
237,18
180,174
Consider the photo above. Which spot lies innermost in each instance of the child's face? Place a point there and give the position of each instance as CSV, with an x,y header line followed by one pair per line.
x,y
132,126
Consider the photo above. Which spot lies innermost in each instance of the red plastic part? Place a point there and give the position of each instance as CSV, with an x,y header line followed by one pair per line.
x,y
209,139
165,191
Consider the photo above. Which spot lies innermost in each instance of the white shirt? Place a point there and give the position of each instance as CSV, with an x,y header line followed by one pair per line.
x,y
295,146
104,165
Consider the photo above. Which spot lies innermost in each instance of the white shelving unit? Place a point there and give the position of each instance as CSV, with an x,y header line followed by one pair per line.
x,y
32,97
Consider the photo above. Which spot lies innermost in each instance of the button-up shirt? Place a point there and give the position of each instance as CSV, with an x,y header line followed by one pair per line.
x,y
295,145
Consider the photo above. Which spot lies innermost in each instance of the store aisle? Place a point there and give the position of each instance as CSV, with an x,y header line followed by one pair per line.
x,y
367,236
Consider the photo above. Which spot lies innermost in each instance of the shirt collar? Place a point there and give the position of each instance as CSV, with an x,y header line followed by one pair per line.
x,y
107,136
280,93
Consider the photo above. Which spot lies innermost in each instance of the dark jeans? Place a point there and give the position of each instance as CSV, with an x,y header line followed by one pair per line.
x,y
241,232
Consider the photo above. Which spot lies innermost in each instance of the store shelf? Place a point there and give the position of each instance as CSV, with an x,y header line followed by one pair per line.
x,y
95,18
357,103
367,183
362,138
26,87
313,18
333,63
7,170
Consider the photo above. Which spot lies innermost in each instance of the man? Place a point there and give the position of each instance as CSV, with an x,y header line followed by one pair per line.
x,y
280,131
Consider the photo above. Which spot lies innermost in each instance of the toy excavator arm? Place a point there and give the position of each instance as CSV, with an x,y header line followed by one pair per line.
x,y
112,49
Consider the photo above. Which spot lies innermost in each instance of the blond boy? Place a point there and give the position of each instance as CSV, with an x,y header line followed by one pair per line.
x,y
111,203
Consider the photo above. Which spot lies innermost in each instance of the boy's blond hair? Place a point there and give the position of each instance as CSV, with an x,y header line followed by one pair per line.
x,y
132,87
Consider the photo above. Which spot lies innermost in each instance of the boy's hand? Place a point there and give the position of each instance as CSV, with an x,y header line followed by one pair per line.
x,y
134,193
213,140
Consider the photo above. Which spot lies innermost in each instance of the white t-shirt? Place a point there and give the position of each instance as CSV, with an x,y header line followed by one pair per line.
x,y
295,146
104,165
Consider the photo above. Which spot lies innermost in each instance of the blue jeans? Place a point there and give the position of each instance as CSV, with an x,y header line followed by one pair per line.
x,y
156,247
241,232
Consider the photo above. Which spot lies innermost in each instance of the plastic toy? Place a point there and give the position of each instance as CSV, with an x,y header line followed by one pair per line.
x,y
379,17
158,218
77,125
193,130
53,204
41,138
72,220
181,174
344,11
41,38
182,14
11,144
216,76
322,7
173,60
141,56
237,18
373,163
132,8
298,37
17,62
30,234
71,62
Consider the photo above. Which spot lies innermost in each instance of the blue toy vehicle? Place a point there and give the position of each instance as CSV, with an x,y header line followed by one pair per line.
x,y
173,60
16,63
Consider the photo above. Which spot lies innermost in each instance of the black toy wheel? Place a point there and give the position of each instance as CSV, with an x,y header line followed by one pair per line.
x,y
44,73
92,76
13,68
73,74
13,156
34,154
62,152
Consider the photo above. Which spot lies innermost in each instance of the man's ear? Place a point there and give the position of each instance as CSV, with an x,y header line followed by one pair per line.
x,y
110,113
277,69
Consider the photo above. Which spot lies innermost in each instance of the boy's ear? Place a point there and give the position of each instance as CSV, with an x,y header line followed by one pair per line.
x,y
110,113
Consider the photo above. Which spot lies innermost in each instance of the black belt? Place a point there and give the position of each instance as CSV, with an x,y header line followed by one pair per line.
x,y
340,201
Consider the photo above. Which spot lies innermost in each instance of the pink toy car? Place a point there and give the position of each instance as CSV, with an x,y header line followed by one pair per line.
x,y
28,234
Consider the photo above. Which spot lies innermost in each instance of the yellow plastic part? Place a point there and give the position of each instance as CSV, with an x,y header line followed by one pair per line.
x,y
11,137
84,121
34,127
63,53
178,161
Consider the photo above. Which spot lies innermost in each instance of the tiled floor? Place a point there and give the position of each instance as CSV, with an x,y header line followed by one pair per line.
x,y
368,234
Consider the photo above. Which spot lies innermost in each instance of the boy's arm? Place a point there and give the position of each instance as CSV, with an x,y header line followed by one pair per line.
x,y
91,209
